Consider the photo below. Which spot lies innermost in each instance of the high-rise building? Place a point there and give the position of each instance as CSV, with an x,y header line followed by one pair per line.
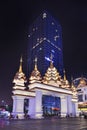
x,y
45,38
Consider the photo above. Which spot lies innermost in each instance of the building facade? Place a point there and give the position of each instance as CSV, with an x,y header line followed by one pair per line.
x,y
45,37
82,94
49,95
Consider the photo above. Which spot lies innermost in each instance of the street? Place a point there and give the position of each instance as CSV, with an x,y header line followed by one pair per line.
x,y
45,124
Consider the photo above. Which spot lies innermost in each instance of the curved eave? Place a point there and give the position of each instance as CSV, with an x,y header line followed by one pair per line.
x,y
19,87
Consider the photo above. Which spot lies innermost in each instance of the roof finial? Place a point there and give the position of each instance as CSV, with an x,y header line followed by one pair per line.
x,y
35,63
20,67
64,75
51,62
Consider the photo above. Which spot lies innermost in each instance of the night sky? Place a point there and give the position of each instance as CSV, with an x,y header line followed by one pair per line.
x,y
15,18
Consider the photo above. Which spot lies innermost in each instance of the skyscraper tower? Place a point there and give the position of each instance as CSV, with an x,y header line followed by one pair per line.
x,y
45,38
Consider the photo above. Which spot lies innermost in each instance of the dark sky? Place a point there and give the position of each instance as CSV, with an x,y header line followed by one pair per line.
x,y
15,18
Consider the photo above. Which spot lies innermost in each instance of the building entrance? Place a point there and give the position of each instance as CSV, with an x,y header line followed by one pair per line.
x,y
51,105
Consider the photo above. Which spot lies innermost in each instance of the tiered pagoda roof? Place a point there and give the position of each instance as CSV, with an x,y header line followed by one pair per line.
x,y
35,75
20,78
51,77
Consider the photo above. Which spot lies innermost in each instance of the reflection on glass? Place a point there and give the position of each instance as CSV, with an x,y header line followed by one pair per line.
x,y
51,105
